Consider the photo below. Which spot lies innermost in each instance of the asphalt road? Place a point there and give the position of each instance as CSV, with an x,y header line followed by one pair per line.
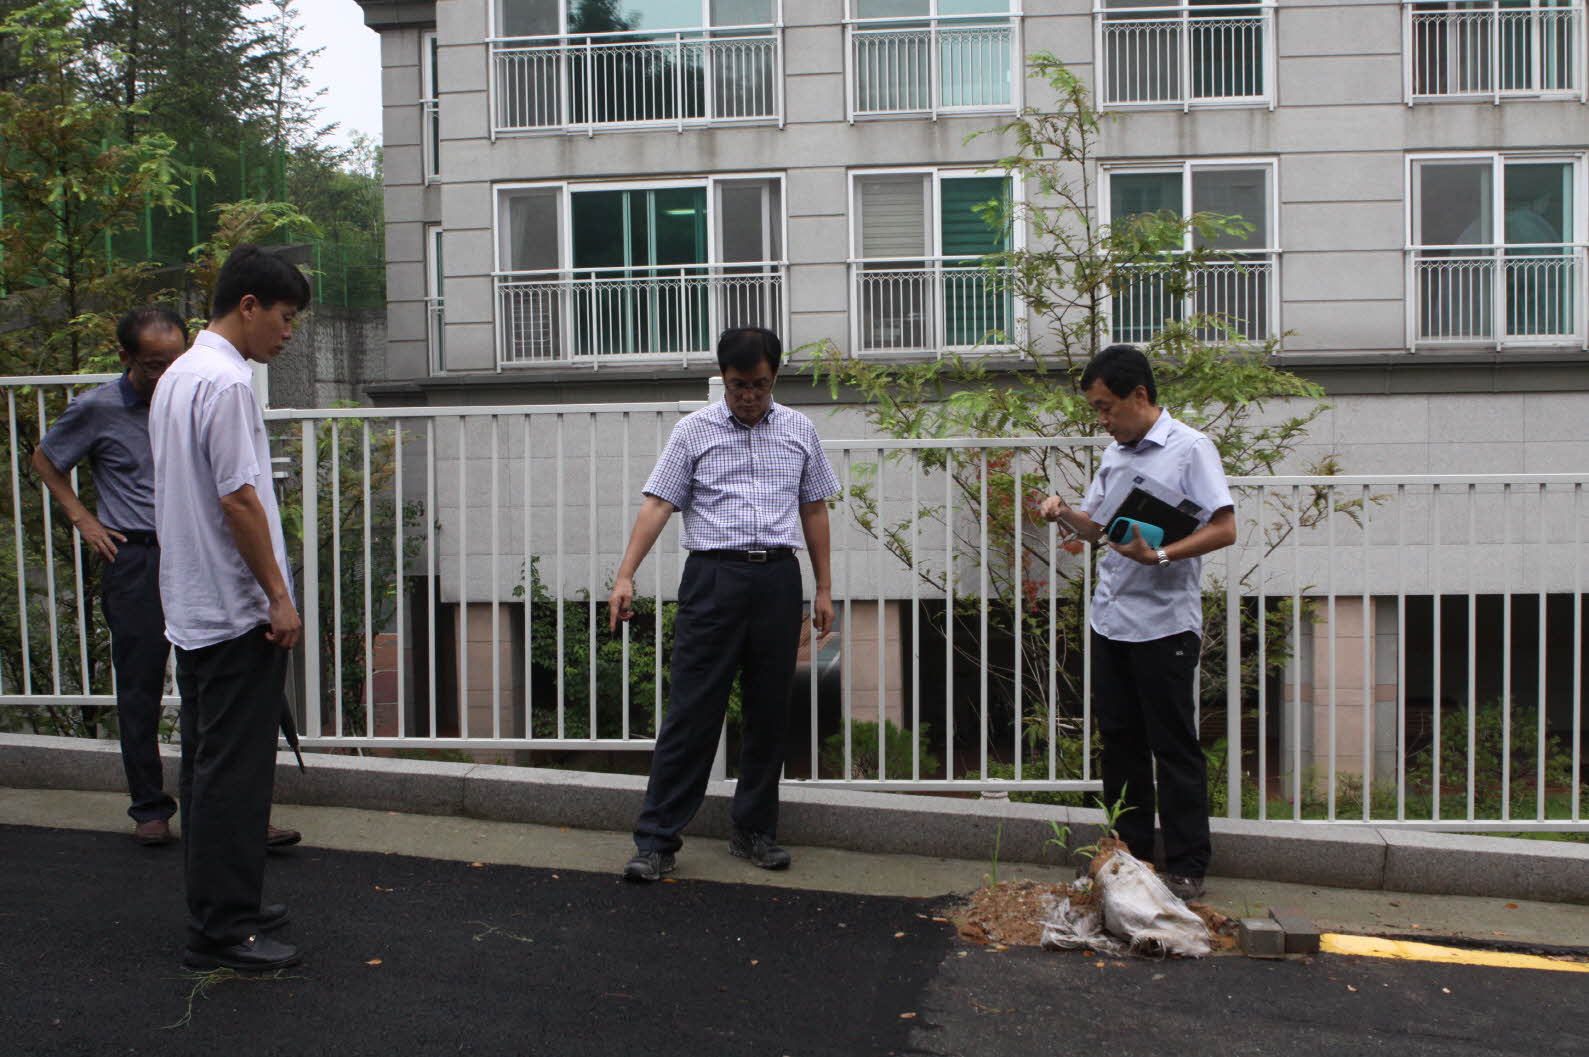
x,y
420,956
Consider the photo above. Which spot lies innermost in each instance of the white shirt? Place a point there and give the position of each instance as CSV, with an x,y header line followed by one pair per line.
x,y
1135,602
208,436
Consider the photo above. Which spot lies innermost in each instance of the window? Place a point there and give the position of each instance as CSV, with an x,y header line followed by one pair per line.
x,y
1497,250
576,64
1185,52
589,271
919,282
1494,48
435,317
1238,283
430,106
933,56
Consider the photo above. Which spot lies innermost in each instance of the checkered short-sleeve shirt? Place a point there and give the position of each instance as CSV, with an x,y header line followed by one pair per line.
x,y
740,486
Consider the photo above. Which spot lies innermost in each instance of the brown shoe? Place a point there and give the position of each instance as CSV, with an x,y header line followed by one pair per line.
x,y
153,832
281,838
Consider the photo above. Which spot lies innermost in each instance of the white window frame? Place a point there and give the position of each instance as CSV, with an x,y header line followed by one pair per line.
x,y
1187,14
1496,95
566,189
1579,243
495,41
853,23
1187,168
856,263
435,299
429,102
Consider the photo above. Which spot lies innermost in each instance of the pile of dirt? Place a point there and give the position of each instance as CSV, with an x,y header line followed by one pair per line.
x,y
1011,912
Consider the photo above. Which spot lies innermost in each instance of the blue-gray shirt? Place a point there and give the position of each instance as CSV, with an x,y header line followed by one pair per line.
x,y
109,426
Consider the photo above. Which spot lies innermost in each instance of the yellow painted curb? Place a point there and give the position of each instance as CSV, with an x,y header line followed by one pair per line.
x,y
1380,947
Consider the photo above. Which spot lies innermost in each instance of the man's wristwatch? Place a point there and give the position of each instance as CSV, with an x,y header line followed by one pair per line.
x,y
1164,559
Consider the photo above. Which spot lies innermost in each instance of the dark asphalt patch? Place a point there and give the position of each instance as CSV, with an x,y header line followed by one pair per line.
x,y
418,956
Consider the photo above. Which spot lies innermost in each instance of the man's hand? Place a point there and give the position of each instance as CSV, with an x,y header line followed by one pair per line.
x,y
620,604
1053,508
285,624
822,611
1136,548
99,537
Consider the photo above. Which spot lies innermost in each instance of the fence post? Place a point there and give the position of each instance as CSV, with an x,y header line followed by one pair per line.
x,y
1233,685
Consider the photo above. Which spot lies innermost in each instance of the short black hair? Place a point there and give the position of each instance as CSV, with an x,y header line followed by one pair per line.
x,y
134,323
1121,368
743,347
253,270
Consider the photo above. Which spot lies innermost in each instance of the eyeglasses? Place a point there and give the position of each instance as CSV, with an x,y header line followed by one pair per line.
x,y
761,385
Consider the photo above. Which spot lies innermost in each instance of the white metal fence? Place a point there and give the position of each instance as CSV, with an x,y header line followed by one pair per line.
x,y
1493,49
1497,294
932,66
1159,54
1243,291
931,304
594,314
586,83
1402,650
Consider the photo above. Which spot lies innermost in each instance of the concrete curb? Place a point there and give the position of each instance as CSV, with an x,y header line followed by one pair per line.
x,y
1335,856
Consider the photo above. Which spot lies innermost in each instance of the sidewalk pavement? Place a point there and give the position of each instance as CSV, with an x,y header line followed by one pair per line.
x,y
1507,923
853,841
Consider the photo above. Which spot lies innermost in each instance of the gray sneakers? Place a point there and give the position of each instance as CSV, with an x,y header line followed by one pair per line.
x,y
648,866
759,848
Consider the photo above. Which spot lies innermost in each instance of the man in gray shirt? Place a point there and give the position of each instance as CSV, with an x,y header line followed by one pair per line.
x,y
109,426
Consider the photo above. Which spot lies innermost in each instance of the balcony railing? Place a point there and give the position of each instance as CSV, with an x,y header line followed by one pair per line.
x,y
591,82
1190,56
1490,51
932,67
1242,291
1503,295
929,304
591,315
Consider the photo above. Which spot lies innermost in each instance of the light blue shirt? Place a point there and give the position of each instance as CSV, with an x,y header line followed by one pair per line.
x,y
740,486
1135,602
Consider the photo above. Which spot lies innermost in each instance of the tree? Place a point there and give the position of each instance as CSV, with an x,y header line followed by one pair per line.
x,y
1072,271
70,184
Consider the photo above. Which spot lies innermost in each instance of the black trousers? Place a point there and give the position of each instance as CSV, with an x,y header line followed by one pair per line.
x,y
130,600
232,699
1143,705
734,618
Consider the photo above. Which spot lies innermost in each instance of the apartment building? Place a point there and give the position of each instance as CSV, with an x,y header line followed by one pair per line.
x,y
582,193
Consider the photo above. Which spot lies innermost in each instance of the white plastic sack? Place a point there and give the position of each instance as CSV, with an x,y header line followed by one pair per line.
x,y
1128,908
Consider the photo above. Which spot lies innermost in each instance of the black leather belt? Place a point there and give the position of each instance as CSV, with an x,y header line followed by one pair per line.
x,y
138,536
757,557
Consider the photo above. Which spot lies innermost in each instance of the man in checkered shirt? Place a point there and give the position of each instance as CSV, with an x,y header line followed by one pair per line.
x,y
752,480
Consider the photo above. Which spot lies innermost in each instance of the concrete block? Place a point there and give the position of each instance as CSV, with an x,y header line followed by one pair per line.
x,y
1302,935
555,798
420,787
906,825
1261,938
1456,864
32,761
1339,856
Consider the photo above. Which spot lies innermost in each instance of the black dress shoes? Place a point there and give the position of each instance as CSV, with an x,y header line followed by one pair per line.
x,y
257,954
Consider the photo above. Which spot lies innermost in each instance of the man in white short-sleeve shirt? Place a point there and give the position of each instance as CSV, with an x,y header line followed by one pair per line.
x,y
1147,618
227,595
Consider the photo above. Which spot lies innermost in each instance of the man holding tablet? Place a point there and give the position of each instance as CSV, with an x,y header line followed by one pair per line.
x,y
1147,616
